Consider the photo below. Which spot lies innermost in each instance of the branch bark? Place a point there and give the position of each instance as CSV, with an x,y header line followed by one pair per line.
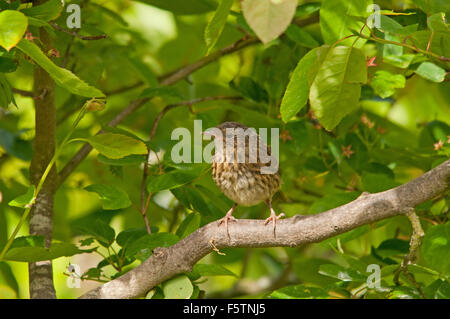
x,y
41,215
298,230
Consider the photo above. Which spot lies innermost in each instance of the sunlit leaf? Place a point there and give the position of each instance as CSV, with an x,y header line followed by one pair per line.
x,y
25,199
111,196
268,18
32,249
384,83
431,72
62,77
215,27
436,247
179,287
114,145
336,88
13,25
47,11
297,91
212,270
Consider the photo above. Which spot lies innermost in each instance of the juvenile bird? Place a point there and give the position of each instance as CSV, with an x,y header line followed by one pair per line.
x,y
244,169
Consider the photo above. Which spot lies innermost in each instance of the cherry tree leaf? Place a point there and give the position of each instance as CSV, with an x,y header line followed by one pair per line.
x,y
268,18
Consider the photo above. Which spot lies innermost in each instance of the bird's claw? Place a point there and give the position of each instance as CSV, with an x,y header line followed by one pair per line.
x,y
225,221
273,217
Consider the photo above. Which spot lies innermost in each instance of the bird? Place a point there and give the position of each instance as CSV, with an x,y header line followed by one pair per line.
x,y
244,177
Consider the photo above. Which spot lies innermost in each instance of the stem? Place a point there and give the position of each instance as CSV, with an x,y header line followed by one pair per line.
x,y
373,37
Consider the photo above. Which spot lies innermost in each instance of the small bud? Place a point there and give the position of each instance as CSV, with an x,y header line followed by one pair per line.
x,y
96,105
53,53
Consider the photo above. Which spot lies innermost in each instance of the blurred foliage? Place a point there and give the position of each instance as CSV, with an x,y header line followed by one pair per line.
x,y
354,116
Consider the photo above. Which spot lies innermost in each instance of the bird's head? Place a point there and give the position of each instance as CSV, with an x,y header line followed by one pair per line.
x,y
221,129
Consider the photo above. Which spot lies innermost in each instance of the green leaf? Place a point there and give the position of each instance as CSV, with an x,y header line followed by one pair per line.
x,y
111,196
14,145
297,91
215,27
212,270
32,249
162,91
341,273
374,183
443,292
174,178
123,161
100,230
299,292
337,20
301,36
307,9
13,25
437,22
143,247
62,77
182,7
439,289
143,70
47,11
114,145
250,89
336,88
391,26
24,200
392,247
405,293
179,287
431,72
330,201
434,131
384,83
436,248
188,225
268,18
7,277
128,236
401,61
6,95
7,65
433,6
192,198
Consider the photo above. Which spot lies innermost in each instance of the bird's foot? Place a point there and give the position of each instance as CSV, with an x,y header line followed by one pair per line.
x,y
273,217
226,219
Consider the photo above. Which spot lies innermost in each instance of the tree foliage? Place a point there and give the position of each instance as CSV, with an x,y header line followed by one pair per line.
x,y
360,108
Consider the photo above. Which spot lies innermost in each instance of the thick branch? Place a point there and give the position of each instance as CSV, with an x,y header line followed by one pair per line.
x,y
295,231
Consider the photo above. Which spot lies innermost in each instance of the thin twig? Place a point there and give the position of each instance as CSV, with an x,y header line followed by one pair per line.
x,y
373,37
414,245
23,92
75,34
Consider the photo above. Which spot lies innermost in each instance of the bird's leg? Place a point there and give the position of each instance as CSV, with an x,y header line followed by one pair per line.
x,y
227,217
273,217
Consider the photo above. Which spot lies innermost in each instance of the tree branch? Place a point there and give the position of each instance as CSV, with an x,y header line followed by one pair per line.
x,y
298,230
76,35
